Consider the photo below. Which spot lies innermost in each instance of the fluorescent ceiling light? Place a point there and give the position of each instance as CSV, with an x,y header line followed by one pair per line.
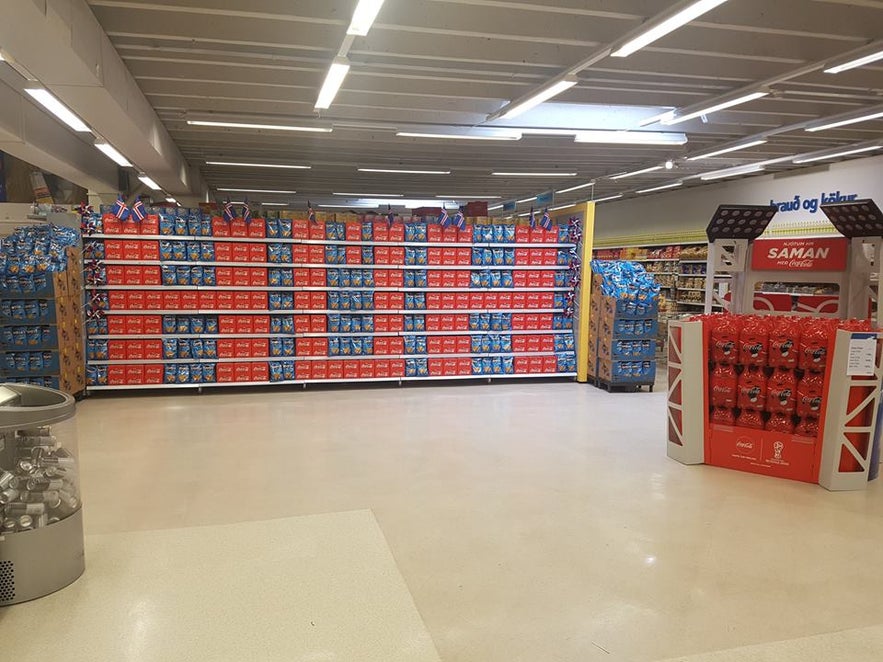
x,y
527,213
575,188
834,154
519,202
370,195
874,56
275,204
631,137
172,200
363,17
666,26
149,183
535,174
348,206
508,135
252,190
713,109
544,94
470,196
495,208
625,175
732,172
259,165
406,172
727,150
254,125
845,121
668,114
609,197
548,132
333,80
108,150
54,106
660,188
560,207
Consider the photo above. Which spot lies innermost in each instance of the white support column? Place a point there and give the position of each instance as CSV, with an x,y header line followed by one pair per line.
x,y
686,393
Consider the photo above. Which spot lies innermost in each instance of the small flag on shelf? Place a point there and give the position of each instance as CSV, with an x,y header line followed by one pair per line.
x,y
546,220
228,211
443,218
119,208
311,215
532,219
460,219
138,211
246,212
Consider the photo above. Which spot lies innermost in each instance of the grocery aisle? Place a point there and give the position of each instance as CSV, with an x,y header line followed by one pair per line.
x,y
529,521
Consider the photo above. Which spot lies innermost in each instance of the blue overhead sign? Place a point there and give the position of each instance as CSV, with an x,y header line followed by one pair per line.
x,y
509,206
545,199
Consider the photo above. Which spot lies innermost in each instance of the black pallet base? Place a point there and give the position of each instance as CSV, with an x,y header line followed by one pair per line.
x,y
620,387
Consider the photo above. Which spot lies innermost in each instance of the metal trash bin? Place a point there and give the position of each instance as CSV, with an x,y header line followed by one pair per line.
x,y
41,519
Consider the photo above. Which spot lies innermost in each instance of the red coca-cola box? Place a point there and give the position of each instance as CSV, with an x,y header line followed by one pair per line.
x,y
434,256
319,369
302,300
550,364
461,278
257,252
436,367
134,325
492,300
531,322
149,250
261,323
449,234
226,349
115,274
153,300
433,300
134,350
303,347
238,228
434,278
535,364
116,324
522,256
537,235
464,367
151,275
351,369
224,276
111,224
535,258
242,372
464,257
153,350
318,277
397,232
241,276
434,345
519,278
366,369
432,322
131,226
434,233
397,368
190,300
318,300
381,277
257,229
396,323
450,367
504,300
153,374
150,225
315,254
462,345
381,323
476,300
300,254
227,323
242,300
131,250
303,370
244,324
547,279
152,324
317,231
396,278
519,344
446,322
117,300
545,321
381,231
242,348
302,324
550,257
518,322
547,343
461,301
353,231
396,345
464,236
397,254
258,277
223,251
381,346
301,277
320,346
240,253
449,300
448,344
220,228
224,373
534,278
224,300
382,369
300,228
113,249
134,300
335,369
381,300
532,300
318,323
449,257
116,350
449,279
134,374
522,365
257,300
382,255
547,299
519,300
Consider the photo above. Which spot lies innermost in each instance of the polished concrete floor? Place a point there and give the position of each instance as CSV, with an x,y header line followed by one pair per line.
x,y
530,522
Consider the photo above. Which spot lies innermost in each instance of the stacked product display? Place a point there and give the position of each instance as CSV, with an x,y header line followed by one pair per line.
x,y
41,308
624,325
183,298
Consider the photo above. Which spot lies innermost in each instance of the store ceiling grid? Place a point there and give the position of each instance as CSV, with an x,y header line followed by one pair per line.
x,y
442,65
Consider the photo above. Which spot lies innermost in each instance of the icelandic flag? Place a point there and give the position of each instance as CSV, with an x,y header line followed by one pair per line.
x,y
390,216
119,208
246,212
443,218
546,220
533,220
138,211
460,220
310,213
228,211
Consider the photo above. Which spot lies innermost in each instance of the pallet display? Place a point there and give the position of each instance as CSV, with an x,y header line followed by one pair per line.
x,y
201,302
41,322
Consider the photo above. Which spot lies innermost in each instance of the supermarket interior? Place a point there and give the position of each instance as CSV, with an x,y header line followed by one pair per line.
x,y
573,354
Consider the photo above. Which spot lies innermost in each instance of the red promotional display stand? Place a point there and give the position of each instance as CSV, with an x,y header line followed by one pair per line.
x,y
775,425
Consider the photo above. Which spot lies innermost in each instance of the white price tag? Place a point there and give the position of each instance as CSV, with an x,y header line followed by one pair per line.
x,y
862,355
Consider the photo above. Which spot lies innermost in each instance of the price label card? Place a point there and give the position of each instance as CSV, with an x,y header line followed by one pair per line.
x,y
862,355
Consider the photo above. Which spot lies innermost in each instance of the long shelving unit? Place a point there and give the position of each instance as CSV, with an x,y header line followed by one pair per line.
x,y
138,339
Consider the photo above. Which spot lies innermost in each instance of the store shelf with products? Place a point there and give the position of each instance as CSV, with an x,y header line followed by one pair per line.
x,y
261,310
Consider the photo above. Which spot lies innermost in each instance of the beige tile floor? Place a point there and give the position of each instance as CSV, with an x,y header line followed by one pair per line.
x,y
531,522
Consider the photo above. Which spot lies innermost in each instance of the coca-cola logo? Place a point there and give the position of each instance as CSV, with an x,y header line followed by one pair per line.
x,y
748,445
753,394
800,264
784,396
754,349
817,354
718,388
785,347
815,404
726,347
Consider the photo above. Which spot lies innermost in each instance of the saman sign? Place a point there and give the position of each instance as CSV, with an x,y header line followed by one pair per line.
x,y
800,254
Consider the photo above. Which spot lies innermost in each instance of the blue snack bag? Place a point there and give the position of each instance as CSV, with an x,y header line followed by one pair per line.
x,y
276,374
170,373
499,234
275,324
287,278
183,373
422,368
346,347
170,348
509,257
474,324
275,346
288,370
287,301
477,234
197,349
421,256
285,228
211,324
346,278
184,349
367,345
287,324
182,275
356,278
410,367
420,301
496,344
196,275
357,346
333,346
509,234
410,344
169,275
179,251
496,279
496,321
182,324
420,278
409,301
169,324
410,255
166,225
346,324
207,251
476,345
181,227
475,279
498,258
419,322
409,322
476,366
420,344
333,278
368,278
275,300
195,373
368,324
497,365
367,255
485,279
356,323
288,347
333,300
477,255
208,277
409,278
506,344
194,251
274,277
334,323
487,366
346,301
484,322
272,228
487,257
210,349
165,250
506,279
486,344
194,226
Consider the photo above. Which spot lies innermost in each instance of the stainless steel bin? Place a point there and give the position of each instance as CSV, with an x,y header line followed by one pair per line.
x,y
41,519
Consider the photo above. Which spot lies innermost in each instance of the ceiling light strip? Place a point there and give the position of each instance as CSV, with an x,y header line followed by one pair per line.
x,y
834,154
405,172
732,172
535,174
257,125
661,188
337,72
575,188
258,165
459,136
363,17
110,152
626,175
875,55
666,25
254,190
745,98
845,121
46,99
516,108
631,138
727,150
